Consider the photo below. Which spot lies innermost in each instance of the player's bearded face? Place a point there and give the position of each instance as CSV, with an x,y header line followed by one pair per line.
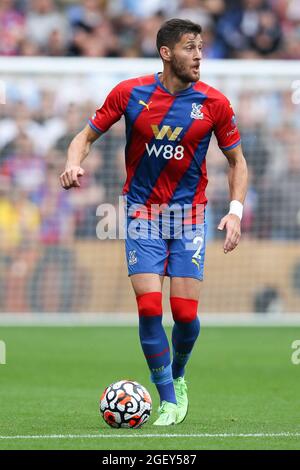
x,y
185,59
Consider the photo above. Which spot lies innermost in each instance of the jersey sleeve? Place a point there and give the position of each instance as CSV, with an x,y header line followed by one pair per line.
x,y
225,126
111,111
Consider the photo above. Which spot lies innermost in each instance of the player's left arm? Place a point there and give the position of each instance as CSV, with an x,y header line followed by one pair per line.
x,y
237,179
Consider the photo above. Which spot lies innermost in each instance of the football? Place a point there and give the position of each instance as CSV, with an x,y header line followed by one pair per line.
x,y
125,404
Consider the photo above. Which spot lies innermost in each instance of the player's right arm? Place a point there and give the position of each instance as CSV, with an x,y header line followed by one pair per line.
x,y
77,152
109,113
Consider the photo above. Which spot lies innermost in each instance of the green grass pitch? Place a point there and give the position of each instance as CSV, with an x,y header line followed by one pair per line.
x,y
241,381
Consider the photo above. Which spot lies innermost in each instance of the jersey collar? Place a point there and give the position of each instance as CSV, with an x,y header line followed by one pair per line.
x,y
179,93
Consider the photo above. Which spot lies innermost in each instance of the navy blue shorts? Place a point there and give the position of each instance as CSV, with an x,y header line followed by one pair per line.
x,y
178,253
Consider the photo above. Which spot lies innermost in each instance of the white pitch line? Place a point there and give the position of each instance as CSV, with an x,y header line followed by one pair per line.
x,y
142,436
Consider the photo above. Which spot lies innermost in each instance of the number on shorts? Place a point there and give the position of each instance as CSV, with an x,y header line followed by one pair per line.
x,y
197,252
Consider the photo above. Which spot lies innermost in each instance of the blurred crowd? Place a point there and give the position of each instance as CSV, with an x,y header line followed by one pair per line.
x,y
34,142
36,129
127,28
33,148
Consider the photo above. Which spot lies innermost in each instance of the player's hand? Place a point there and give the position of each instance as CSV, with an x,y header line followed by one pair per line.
x,y
70,177
232,224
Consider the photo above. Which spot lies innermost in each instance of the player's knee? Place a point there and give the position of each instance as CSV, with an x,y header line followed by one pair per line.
x,y
149,304
183,310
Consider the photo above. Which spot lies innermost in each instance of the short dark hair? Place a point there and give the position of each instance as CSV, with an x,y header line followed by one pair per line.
x,y
172,30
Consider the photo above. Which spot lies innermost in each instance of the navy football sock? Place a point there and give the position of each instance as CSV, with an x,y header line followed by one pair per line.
x,y
157,353
184,336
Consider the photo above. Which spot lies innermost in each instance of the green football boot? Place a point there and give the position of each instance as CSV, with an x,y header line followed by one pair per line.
x,y
167,414
182,399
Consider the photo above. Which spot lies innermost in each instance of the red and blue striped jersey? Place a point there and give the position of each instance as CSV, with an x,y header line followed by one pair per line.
x,y
167,137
